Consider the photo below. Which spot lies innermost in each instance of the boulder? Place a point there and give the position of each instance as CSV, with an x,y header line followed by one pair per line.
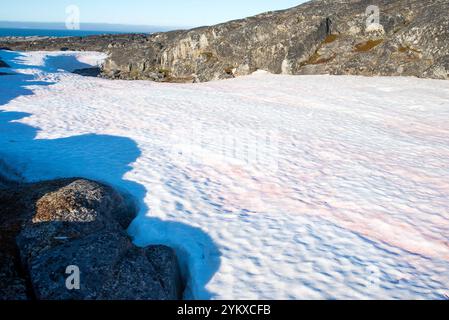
x,y
111,268
75,222
3,64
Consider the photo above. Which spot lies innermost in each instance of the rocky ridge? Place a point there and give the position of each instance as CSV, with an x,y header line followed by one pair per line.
x,y
318,37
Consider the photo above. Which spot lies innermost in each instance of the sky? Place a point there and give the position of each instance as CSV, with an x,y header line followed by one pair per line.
x,y
141,12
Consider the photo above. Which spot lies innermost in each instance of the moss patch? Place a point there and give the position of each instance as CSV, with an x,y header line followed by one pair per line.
x,y
207,55
134,74
188,79
165,72
368,45
330,38
316,58
405,49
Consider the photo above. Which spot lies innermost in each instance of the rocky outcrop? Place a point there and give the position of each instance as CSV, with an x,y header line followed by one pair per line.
x,y
98,43
3,64
318,37
46,227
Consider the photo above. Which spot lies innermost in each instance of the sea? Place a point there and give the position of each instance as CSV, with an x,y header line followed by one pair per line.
x,y
19,32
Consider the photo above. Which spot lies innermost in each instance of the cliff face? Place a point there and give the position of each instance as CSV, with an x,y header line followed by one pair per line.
x,y
318,37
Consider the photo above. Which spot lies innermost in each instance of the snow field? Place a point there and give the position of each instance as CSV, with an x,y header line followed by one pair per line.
x,y
268,186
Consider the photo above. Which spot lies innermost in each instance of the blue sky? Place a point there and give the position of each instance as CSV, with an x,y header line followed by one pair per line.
x,y
141,12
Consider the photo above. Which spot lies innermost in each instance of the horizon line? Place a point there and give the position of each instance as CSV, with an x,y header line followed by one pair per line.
x,y
100,23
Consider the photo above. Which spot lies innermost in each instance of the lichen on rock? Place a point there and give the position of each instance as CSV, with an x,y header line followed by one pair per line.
x,y
48,226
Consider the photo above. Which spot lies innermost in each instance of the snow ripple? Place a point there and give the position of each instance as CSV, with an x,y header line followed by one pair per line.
x,y
346,195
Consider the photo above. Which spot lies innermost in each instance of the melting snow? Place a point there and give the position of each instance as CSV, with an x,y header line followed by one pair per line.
x,y
268,186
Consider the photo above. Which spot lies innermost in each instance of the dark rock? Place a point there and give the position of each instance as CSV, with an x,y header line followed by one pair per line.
x,y
111,269
95,255
7,176
88,72
13,283
49,226
3,64
160,274
12,277
167,268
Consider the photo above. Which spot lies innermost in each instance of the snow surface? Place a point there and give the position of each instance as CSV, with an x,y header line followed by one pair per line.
x,y
268,186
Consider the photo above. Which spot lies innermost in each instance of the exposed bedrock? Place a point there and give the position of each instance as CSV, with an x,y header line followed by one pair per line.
x,y
46,227
318,37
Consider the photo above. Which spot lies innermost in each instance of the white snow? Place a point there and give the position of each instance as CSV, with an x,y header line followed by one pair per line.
x,y
268,186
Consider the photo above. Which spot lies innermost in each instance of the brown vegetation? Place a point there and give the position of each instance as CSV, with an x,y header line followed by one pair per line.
x,y
368,45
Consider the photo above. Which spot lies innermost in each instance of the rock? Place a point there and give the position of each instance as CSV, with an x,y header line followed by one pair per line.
x,y
320,36
83,201
55,224
166,267
111,269
88,72
13,283
12,277
3,64
439,69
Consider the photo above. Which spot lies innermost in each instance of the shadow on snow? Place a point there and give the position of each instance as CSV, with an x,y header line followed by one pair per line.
x,y
104,158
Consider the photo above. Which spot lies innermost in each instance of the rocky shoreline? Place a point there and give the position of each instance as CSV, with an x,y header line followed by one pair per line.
x,y
48,227
318,37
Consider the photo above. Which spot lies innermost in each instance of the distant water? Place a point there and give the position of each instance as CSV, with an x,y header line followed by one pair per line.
x,y
10,32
